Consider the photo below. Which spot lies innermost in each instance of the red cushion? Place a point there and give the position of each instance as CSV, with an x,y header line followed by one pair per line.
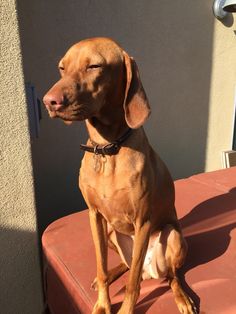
x,y
206,206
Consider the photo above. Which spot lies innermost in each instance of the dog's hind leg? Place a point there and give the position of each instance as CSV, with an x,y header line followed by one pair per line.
x,y
113,274
176,250
184,303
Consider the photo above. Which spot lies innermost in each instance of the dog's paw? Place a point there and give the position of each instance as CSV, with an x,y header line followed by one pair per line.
x,y
125,309
186,305
94,285
101,308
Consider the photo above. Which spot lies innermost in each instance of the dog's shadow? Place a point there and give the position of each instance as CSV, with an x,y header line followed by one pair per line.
x,y
207,231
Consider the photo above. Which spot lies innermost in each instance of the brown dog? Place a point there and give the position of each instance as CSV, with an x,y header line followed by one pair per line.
x,y
128,189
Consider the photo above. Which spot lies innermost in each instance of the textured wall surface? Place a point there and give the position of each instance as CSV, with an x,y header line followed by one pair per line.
x,y
20,279
222,92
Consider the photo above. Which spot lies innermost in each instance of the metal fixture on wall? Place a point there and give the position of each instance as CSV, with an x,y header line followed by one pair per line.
x,y
34,110
222,7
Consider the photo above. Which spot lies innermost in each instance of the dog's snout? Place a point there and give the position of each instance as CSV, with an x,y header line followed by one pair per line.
x,y
53,101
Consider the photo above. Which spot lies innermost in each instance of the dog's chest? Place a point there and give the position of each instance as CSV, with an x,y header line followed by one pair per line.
x,y
112,191
115,205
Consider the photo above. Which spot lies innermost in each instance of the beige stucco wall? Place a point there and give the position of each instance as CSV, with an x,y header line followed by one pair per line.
x,y
222,92
20,278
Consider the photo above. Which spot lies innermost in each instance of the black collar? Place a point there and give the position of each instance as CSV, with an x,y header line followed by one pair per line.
x,y
107,149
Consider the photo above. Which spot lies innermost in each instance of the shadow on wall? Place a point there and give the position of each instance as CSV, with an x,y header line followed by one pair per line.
x,y
19,255
172,44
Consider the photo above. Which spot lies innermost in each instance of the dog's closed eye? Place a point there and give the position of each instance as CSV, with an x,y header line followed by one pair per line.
x,y
94,66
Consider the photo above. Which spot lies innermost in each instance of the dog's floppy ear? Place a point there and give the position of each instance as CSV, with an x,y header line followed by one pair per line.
x,y
136,105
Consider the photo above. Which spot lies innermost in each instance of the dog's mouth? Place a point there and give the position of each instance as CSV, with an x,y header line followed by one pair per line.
x,y
73,112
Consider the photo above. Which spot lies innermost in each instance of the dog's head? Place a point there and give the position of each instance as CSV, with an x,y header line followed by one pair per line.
x,y
97,77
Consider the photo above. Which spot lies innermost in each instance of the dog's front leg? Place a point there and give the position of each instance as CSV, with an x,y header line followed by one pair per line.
x,y
142,232
99,233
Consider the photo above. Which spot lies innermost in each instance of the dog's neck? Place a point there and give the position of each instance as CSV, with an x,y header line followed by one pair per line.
x,y
102,131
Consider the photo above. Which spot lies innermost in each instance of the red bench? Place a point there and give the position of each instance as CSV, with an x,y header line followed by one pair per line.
x,y
206,206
